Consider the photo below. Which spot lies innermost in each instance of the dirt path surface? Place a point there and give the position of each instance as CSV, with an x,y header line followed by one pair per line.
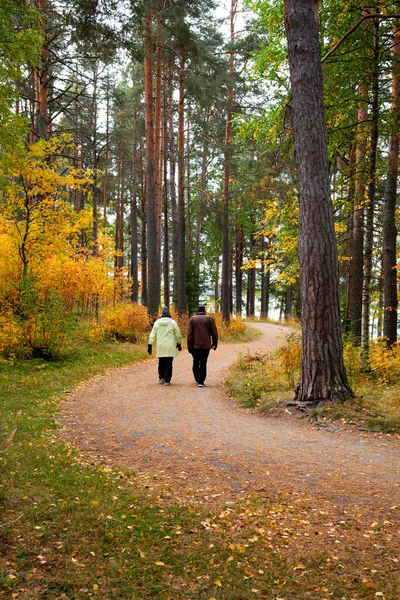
x,y
197,444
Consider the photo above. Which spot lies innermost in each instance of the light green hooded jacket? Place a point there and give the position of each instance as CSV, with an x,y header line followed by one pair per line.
x,y
165,334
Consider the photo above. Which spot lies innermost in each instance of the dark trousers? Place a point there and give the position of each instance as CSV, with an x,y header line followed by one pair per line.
x,y
200,364
165,368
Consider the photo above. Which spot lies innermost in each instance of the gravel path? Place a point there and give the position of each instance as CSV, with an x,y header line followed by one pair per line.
x,y
196,444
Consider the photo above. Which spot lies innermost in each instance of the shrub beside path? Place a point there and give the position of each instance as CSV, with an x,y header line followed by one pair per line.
x,y
200,446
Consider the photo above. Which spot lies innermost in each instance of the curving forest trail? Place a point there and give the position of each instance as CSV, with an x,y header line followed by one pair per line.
x,y
198,445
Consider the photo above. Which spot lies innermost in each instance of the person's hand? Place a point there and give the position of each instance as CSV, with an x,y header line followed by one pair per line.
x,y
214,347
179,347
149,348
190,350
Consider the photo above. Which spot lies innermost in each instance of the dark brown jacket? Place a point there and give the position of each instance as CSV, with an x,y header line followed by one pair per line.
x,y
202,332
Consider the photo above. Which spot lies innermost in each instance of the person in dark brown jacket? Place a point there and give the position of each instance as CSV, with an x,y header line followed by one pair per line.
x,y
201,337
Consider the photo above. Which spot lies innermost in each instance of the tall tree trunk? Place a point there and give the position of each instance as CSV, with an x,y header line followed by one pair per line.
x,y
189,234
389,210
181,191
288,302
41,122
239,249
350,204
357,257
95,188
172,186
134,224
323,376
107,144
265,282
143,215
251,281
158,127
216,286
225,299
369,217
118,215
76,145
153,300
202,196
167,291
379,325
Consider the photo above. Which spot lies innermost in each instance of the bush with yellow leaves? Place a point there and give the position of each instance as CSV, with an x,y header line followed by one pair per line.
x,y
11,334
289,356
232,329
384,362
127,322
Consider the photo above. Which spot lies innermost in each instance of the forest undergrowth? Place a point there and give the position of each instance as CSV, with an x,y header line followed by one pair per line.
x,y
266,380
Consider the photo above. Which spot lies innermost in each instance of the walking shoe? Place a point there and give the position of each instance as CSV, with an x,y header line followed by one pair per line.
x,y
200,385
167,383
161,380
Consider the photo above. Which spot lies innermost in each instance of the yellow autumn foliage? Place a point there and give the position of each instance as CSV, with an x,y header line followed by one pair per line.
x,y
127,322
234,328
384,362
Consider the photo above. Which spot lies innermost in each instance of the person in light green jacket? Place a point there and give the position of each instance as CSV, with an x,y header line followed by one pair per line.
x,y
167,338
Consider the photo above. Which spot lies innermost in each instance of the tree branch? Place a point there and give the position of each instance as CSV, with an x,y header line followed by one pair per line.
x,y
350,31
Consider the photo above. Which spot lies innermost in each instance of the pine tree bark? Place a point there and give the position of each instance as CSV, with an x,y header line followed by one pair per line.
x,y
181,192
389,210
239,250
350,204
265,282
153,283
95,188
370,207
143,215
158,128
107,148
167,291
225,296
41,122
172,187
251,281
134,224
202,197
357,257
323,375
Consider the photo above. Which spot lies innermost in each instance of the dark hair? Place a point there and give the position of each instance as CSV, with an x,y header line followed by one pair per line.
x,y
165,312
201,309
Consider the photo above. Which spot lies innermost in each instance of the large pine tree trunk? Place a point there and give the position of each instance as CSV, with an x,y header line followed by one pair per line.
x,y
369,217
181,191
389,210
153,273
323,376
